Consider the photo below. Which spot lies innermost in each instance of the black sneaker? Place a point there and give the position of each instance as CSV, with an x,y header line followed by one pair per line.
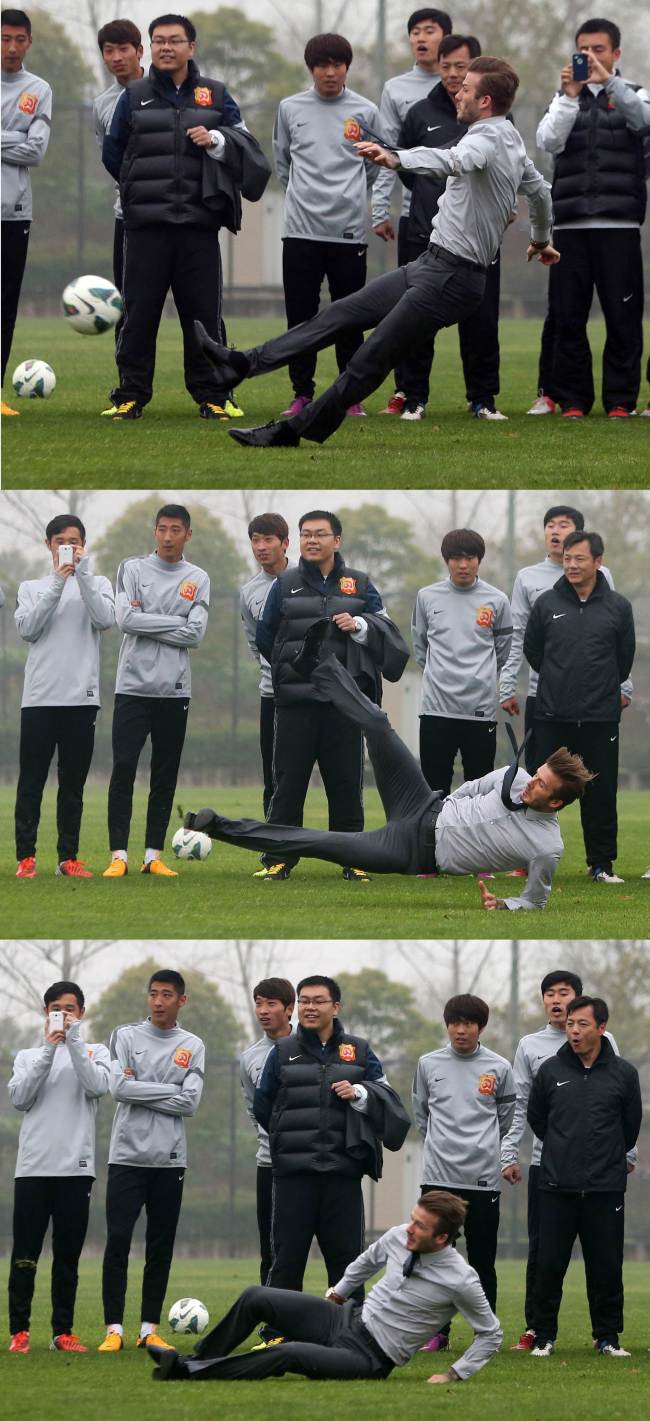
x,y
126,409
276,873
355,875
208,409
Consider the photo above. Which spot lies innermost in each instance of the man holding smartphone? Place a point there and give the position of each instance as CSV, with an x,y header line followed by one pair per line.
x,y
61,616
56,1086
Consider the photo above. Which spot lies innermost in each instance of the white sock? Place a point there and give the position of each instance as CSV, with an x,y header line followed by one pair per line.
x,y
151,854
119,854
115,1327
146,1329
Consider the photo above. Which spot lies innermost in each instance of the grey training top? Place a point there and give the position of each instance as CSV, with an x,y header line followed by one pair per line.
x,y
463,1105
252,601
487,170
26,117
62,619
57,1088
325,181
474,829
170,616
403,1313
103,110
461,637
251,1064
149,1126
398,94
530,582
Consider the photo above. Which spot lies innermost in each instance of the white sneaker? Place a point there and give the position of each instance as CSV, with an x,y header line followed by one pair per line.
x,y
545,1351
542,405
609,1350
600,875
481,411
413,410
645,414
646,874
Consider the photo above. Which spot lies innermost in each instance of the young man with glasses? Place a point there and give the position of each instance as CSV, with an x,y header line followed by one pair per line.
x,y
308,730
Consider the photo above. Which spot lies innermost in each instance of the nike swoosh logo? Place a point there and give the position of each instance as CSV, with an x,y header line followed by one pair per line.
x,y
618,1208
362,253
612,738
557,615
628,298
562,1083
296,1058
144,102
295,589
494,1199
492,730
433,130
187,706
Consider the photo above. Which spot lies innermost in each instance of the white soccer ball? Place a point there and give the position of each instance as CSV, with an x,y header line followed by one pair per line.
x,y
34,380
188,1315
191,844
92,305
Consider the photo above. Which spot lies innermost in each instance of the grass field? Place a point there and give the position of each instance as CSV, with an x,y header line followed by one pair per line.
x,y
575,1382
219,898
63,442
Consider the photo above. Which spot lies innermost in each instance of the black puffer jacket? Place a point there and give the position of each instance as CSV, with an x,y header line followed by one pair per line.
x,y
587,1120
601,171
582,650
161,176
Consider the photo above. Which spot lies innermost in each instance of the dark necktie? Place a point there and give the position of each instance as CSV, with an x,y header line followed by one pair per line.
x,y
512,769
411,1261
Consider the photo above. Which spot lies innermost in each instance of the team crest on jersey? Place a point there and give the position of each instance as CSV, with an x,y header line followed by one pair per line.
x,y
27,103
487,1085
348,585
352,130
182,1057
188,591
485,616
347,1052
203,97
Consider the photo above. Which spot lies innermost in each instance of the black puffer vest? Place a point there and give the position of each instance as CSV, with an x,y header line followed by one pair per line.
x,y
601,172
303,603
307,1127
161,173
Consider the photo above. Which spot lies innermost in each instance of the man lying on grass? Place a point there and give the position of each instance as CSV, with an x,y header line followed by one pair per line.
x,y
425,1284
477,828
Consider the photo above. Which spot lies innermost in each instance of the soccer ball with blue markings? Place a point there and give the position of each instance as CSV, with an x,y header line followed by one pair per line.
x,y
188,1315
92,305
34,380
191,844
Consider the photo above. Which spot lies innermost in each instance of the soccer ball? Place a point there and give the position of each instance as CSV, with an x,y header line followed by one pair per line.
x,y
34,380
188,1315
191,844
92,305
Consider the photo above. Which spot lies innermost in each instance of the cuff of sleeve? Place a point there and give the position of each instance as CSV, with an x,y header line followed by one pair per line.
x,y
218,144
361,1097
361,633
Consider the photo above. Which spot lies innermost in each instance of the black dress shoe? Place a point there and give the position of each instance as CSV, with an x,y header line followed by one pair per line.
x,y
170,1367
232,365
278,433
307,658
204,820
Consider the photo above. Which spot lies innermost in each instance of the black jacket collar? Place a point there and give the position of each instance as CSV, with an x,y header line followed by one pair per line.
x,y
564,587
604,1058
314,576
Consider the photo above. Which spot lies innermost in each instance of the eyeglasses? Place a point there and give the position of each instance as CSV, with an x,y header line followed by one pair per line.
x,y
319,537
314,1001
175,43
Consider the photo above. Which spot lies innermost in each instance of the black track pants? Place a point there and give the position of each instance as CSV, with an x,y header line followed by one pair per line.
x,y
311,733
70,732
305,266
442,737
135,718
324,1206
15,240
37,1199
598,1221
131,1188
597,742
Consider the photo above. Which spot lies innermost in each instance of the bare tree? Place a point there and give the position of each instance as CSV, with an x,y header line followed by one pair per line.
x,y
25,962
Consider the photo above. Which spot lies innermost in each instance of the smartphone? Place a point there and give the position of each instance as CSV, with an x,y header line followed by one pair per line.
x,y
56,1021
66,555
580,67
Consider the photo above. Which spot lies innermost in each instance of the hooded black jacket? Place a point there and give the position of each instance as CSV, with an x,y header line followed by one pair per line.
x,y
582,650
587,1120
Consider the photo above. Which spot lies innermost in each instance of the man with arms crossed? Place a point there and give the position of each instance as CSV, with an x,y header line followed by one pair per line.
x,y
487,170
274,1000
585,1107
157,1072
61,616
463,1102
56,1086
162,608
558,989
269,539
425,1283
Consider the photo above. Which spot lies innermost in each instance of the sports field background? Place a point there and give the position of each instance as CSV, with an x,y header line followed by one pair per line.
x,y
575,1383
62,442
219,898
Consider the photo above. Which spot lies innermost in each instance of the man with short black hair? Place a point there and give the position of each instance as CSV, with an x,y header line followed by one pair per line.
x,y
559,520
269,540
61,616
157,1070
461,633
325,233
120,45
595,128
162,603
56,1087
426,1282
463,1103
585,1107
26,118
580,638
558,989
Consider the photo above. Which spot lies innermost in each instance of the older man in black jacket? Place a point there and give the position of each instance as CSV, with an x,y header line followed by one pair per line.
x,y
580,638
585,1107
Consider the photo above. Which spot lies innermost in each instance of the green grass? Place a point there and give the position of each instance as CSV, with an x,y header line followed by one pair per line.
x,y
63,442
575,1382
219,898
